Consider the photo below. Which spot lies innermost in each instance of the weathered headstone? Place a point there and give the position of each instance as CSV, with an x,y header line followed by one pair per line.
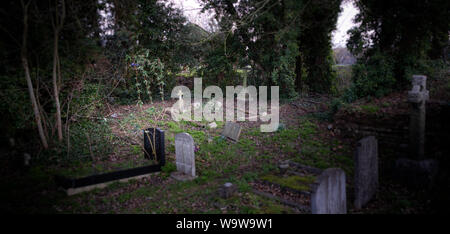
x,y
154,145
417,97
232,131
366,170
185,157
329,195
417,172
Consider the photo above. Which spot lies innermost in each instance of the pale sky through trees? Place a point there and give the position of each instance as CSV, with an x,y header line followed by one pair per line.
x,y
192,8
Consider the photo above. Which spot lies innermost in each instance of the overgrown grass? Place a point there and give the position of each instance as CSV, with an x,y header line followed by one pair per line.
x,y
218,160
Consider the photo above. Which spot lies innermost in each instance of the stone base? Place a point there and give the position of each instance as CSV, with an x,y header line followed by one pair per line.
x,y
416,174
180,176
73,191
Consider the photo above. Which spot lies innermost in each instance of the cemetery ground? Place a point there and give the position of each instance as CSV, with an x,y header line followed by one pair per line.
x,y
307,135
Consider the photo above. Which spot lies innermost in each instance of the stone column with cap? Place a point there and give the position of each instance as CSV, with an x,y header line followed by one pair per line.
x,y
417,96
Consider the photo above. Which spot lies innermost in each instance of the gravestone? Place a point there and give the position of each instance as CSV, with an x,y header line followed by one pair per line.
x,y
329,196
417,172
185,157
417,96
154,145
232,131
366,170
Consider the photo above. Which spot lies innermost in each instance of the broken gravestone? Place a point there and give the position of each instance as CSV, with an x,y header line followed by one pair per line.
x,y
185,157
329,196
366,170
232,131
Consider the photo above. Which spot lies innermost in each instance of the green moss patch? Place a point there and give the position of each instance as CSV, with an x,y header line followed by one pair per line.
x,y
296,182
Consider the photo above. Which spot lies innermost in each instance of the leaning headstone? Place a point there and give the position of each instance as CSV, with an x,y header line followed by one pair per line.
x,y
154,145
366,170
185,157
232,131
329,196
417,97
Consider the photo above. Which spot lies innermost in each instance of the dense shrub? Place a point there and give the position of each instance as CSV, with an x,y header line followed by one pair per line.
x,y
374,76
283,74
218,68
89,140
14,105
88,101
343,79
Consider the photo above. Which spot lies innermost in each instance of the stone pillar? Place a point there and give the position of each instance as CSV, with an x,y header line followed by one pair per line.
x,y
417,97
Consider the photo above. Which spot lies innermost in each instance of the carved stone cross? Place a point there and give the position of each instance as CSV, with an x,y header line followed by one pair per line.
x,y
417,96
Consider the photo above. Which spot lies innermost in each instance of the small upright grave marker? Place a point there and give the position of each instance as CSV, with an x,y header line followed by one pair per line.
x,y
232,131
185,157
366,170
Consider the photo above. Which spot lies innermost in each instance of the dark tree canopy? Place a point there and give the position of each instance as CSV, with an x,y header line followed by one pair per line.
x,y
287,42
405,33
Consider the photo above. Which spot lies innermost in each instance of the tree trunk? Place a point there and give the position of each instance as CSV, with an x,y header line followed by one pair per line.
x,y
55,87
24,59
298,73
57,25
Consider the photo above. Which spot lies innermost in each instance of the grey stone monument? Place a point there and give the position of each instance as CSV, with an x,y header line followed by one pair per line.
x,y
417,96
329,195
232,131
417,172
185,157
366,170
